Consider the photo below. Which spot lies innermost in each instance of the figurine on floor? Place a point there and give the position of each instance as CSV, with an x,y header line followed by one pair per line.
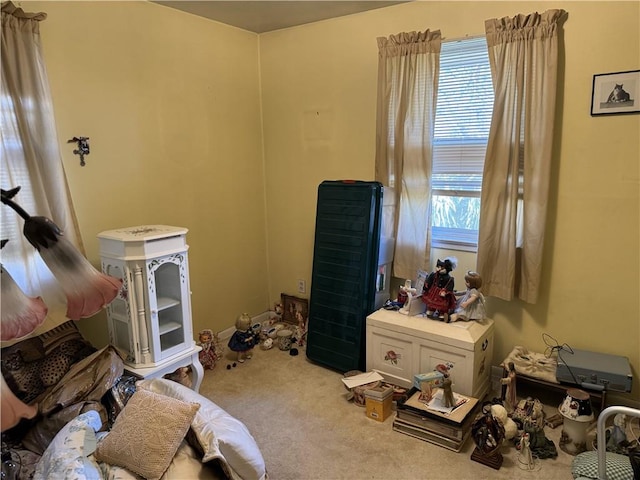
x,y
617,440
437,292
526,461
509,396
471,304
208,356
243,339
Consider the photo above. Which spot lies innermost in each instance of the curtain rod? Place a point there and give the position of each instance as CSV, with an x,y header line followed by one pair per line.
x,y
466,37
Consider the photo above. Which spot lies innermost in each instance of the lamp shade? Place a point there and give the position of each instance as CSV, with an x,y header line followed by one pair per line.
x,y
578,414
577,406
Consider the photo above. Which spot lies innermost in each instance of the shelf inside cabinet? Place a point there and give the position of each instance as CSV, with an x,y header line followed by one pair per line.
x,y
167,302
169,327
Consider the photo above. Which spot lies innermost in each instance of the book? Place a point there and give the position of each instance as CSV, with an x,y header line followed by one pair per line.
x,y
437,426
455,415
427,436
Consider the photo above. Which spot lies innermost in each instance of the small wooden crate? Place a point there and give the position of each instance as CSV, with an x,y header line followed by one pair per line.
x,y
379,409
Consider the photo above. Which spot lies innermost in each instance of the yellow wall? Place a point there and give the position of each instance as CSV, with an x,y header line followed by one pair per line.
x,y
591,266
172,105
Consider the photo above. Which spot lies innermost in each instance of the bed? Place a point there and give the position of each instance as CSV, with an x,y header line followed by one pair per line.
x,y
94,421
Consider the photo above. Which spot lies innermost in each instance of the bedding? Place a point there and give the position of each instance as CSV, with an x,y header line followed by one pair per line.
x,y
147,433
216,434
77,419
68,455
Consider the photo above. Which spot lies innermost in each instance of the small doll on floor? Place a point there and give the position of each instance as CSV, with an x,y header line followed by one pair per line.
x,y
243,339
471,304
437,292
209,354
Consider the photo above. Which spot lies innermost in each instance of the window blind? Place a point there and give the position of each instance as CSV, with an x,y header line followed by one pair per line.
x,y
463,115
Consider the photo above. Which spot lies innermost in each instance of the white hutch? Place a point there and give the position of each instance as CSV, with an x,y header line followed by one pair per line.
x,y
150,319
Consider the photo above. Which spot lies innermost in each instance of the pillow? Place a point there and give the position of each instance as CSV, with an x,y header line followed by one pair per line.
x,y
219,435
532,364
185,464
67,455
147,433
585,464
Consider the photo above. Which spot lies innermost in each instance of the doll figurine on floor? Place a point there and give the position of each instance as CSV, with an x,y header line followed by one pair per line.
x,y
471,304
437,292
243,339
209,354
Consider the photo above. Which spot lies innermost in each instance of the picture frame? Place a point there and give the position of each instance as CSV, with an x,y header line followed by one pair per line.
x,y
295,311
615,93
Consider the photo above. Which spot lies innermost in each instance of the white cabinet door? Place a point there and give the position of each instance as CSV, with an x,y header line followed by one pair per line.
x,y
168,289
391,354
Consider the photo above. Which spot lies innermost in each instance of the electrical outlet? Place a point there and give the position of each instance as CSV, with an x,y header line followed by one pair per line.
x,y
302,286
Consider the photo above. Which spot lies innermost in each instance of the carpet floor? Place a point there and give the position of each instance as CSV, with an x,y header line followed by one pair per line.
x,y
307,429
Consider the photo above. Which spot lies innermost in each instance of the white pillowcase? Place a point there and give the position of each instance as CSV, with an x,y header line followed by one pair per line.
x,y
220,435
67,456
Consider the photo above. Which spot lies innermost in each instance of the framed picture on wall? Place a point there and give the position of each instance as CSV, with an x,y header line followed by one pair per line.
x,y
616,93
295,311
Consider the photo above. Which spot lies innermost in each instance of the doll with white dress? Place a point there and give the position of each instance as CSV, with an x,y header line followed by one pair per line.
x,y
471,305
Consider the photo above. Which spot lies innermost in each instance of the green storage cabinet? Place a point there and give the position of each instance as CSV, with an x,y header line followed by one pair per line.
x,y
343,281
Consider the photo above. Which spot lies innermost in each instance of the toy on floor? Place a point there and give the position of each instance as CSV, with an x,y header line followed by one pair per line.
x,y
181,376
211,351
526,460
510,427
437,292
471,304
509,395
243,339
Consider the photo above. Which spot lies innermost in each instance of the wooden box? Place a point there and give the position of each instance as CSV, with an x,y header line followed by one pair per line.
x,y
401,346
379,409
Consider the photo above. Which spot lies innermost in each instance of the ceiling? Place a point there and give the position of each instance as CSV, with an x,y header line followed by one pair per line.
x,y
266,16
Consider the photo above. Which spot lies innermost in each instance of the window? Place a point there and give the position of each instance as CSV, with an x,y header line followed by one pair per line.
x,y
463,118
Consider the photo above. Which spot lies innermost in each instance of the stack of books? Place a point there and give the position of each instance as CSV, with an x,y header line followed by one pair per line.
x,y
431,421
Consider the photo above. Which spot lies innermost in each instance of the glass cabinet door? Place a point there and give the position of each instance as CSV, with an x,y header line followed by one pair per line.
x,y
168,291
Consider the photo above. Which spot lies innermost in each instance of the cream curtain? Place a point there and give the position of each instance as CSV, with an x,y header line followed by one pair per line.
x,y
523,52
31,158
408,67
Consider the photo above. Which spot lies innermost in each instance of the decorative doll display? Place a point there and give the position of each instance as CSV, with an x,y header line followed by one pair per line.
x,y
210,353
437,292
488,434
243,339
471,304
509,395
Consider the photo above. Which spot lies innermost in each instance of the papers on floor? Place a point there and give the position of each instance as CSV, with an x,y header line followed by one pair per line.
x,y
436,402
362,379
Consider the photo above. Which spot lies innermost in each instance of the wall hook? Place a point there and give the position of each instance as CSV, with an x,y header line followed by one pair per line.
x,y
83,148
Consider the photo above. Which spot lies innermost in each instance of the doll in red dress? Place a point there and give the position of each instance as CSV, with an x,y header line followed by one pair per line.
x,y
438,289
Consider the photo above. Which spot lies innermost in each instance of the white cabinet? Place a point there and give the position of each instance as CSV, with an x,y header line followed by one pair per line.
x,y
150,320
400,346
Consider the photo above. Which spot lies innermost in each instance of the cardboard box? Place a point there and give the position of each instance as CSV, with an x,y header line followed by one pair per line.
x,y
379,409
379,392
